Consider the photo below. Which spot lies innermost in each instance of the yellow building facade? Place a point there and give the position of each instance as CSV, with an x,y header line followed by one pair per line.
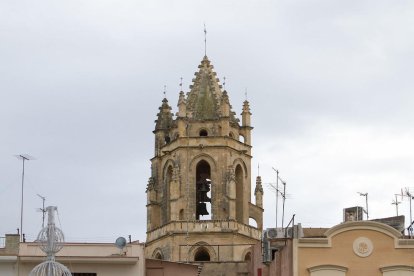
x,y
354,249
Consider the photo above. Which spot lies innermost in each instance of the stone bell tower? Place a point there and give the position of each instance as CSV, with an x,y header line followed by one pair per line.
x,y
199,193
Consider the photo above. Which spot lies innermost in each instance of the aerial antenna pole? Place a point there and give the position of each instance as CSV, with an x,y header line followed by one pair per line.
x,y
396,203
43,210
284,199
23,157
410,196
366,202
277,191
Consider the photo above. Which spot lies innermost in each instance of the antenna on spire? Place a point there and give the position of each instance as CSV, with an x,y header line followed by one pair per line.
x,y
224,83
205,40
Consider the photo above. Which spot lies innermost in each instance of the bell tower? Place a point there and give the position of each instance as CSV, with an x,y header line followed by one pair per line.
x,y
199,193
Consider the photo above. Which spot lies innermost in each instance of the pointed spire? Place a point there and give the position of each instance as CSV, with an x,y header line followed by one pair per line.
x,y
182,110
246,114
164,116
258,192
203,99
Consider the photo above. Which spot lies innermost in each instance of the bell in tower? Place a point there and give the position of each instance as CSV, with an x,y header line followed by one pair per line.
x,y
203,187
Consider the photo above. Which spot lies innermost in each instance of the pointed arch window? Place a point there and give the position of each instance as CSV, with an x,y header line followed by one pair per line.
x,y
239,194
203,182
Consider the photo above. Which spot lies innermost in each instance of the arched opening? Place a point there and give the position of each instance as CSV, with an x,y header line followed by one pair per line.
x,y
167,139
248,257
181,215
241,138
253,222
166,191
231,135
157,254
239,193
203,194
203,132
202,255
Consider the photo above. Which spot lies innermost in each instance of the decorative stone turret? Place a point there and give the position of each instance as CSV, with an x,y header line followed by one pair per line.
x,y
258,192
163,126
246,127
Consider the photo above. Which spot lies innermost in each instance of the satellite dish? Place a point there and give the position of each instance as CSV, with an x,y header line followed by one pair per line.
x,y
120,242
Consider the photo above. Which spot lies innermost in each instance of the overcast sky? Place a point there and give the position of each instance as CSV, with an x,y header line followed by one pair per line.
x,y
330,85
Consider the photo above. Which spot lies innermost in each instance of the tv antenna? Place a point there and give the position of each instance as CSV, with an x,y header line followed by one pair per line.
x,y
410,197
43,210
23,157
396,203
366,203
277,192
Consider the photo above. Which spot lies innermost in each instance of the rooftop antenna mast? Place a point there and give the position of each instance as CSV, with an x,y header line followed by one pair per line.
x,y
366,203
23,157
277,191
396,203
283,194
43,210
410,197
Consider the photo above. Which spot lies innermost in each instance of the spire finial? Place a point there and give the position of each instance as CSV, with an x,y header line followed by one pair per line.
x,y
205,40
258,169
181,84
224,83
165,91
245,93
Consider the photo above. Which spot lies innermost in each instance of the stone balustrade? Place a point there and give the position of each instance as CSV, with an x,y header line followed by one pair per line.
x,y
204,226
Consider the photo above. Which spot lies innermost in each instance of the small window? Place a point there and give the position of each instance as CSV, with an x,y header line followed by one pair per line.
x,y
231,135
167,139
158,256
203,132
181,215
